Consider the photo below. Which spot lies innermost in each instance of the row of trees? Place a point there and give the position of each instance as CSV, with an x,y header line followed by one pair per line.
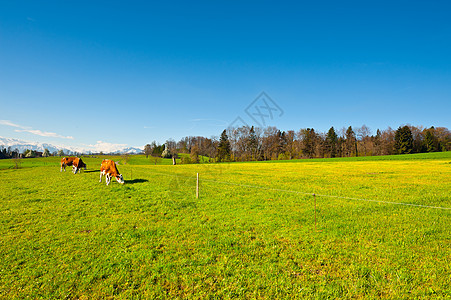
x,y
253,143
10,153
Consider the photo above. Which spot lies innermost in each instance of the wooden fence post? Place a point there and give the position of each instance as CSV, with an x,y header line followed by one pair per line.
x,y
314,197
197,186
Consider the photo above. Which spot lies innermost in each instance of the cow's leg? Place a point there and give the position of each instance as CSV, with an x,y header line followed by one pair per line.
x,y
100,176
108,179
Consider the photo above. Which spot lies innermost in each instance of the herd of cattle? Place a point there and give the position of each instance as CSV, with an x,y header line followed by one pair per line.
x,y
108,168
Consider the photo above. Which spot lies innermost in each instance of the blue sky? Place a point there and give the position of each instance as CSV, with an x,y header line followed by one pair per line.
x,y
126,73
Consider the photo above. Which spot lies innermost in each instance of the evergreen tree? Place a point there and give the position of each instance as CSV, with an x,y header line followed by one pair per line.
x,y
3,153
282,143
46,153
157,149
331,142
224,147
253,143
403,140
351,143
308,142
430,140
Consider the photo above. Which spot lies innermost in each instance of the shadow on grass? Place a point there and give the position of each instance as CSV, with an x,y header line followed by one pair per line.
x,y
136,181
90,171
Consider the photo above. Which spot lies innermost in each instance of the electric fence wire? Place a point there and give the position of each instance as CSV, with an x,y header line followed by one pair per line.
x,y
308,194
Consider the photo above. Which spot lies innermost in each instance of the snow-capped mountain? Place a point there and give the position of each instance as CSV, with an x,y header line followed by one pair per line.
x,y
24,145
36,146
132,150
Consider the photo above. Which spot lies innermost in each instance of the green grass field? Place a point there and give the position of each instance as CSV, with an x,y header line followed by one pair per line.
x,y
251,234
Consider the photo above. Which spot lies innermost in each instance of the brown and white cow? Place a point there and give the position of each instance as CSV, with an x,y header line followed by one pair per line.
x,y
109,169
75,162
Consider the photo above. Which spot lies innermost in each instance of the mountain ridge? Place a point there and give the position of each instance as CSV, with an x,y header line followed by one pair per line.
x,y
37,146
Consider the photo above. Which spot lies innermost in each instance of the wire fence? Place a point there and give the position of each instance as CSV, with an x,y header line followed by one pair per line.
x,y
197,179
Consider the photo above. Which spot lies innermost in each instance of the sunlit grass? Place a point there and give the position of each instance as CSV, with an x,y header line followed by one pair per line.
x,y
65,235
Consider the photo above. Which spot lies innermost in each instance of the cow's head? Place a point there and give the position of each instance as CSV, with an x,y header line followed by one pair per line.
x,y
120,179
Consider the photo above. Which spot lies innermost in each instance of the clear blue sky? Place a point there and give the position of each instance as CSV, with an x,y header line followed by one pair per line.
x,y
130,72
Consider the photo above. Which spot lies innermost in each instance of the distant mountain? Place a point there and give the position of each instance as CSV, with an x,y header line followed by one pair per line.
x,y
132,150
24,145
36,146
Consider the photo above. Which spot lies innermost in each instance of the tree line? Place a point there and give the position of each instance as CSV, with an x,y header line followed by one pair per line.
x,y
255,144
8,152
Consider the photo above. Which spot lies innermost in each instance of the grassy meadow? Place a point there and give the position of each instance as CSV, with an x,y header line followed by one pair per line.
x,y
250,234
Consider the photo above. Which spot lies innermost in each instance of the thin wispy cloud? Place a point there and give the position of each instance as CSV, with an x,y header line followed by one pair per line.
x,y
44,133
34,131
9,123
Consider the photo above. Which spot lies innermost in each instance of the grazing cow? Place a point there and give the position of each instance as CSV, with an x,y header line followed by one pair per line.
x,y
109,169
78,165
75,162
66,161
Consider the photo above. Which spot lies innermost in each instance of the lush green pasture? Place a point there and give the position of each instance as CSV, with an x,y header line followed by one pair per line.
x,y
92,161
251,234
